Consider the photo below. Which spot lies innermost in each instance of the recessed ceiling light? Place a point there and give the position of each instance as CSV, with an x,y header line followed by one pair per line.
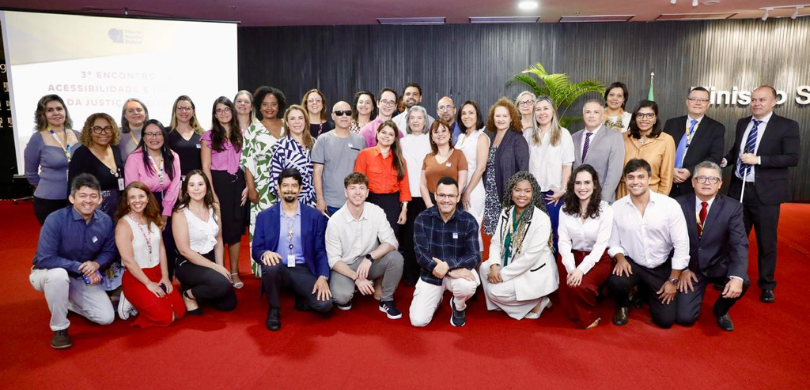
x,y
528,5
711,2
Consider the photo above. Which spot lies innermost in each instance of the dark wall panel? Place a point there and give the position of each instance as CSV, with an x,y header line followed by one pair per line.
x,y
475,61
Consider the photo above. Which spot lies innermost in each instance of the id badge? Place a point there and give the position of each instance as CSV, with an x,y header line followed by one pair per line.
x,y
291,261
120,184
455,236
448,164
199,146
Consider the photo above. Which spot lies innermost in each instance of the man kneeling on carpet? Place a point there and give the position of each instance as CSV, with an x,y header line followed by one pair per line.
x,y
521,271
446,246
74,244
288,244
362,247
718,249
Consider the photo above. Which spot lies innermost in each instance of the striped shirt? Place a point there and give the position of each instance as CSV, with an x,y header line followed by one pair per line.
x,y
288,153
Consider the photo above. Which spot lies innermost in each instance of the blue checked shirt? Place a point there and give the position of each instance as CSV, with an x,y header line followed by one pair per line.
x,y
454,241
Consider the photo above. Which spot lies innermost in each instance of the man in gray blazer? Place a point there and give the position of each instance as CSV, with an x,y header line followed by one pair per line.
x,y
600,147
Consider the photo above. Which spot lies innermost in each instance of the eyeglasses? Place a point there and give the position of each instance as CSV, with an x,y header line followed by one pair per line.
x,y
707,179
526,102
342,112
696,100
447,107
384,102
153,135
184,109
222,110
446,196
101,130
645,116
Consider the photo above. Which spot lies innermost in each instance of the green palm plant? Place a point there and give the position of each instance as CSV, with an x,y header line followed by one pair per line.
x,y
558,87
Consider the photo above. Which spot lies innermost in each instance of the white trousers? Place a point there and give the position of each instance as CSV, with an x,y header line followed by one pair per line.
x,y
64,293
427,297
502,296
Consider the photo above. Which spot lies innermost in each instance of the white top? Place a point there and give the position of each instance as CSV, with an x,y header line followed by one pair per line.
x,y
589,236
760,131
414,150
349,240
140,251
546,161
469,146
649,238
202,235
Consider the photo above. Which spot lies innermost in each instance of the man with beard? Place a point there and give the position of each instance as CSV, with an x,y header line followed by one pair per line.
x,y
412,96
447,112
650,244
387,105
288,243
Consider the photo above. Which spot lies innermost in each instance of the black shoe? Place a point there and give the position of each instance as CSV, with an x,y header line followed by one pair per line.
x,y
390,309
718,286
301,304
458,317
345,307
620,317
767,296
61,340
274,319
724,322
411,282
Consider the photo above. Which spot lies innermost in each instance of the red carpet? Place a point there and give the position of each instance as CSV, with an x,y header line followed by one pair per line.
x,y
362,348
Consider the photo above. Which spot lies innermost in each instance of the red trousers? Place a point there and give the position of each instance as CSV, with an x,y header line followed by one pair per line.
x,y
152,311
580,302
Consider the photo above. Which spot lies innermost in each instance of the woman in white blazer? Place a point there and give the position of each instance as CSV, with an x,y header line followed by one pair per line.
x,y
521,272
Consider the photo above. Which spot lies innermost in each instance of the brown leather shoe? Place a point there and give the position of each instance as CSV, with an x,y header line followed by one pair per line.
x,y
61,340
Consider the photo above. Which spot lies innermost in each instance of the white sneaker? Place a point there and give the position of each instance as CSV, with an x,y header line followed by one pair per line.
x,y
125,309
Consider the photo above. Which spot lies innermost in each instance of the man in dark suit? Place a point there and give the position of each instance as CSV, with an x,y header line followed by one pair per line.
x,y
698,138
766,145
288,243
718,248
600,147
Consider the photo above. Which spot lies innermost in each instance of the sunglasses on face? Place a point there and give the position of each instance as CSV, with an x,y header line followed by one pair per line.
x,y
342,112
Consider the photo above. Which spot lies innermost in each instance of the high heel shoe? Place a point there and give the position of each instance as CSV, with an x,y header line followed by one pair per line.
x,y
187,299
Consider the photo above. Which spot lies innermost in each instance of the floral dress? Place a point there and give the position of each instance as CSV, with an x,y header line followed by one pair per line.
x,y
257,154
492,208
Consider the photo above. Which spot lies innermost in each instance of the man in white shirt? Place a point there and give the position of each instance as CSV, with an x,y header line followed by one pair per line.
x,y
718,248
411,96
647,226
361,247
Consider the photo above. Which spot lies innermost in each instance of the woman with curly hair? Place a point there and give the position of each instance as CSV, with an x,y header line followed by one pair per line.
x,y
520,272
585,226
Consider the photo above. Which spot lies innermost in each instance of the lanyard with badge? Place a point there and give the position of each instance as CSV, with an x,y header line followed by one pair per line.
x,y
290,254
158,170
66,146
145,236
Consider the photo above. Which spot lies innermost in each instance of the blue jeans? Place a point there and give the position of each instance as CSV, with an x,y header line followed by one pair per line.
x,y
554,214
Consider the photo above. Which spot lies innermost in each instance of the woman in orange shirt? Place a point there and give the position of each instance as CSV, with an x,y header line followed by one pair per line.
x,y
387,174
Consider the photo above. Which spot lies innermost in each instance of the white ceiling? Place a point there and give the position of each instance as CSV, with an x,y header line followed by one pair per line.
x,y
365,12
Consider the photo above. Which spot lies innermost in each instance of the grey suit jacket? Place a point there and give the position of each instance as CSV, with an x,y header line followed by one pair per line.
x,y
605,155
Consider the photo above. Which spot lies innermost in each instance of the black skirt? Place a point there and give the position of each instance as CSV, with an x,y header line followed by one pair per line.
x,y
229,191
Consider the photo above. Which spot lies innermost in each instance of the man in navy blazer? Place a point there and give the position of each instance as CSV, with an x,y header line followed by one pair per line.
x,y
718,248
698,138
288,244
766,145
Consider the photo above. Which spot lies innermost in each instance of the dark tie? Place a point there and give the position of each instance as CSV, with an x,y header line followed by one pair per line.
x,y
750,145
703,213
588,135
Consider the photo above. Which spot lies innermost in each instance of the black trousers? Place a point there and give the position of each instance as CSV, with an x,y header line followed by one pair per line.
x,y
688,304
207,285
299,278
390,204
411,269
168,239
651,278
44,207
764,218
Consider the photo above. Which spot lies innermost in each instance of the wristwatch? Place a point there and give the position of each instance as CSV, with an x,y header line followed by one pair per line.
x,y
673,281
368,256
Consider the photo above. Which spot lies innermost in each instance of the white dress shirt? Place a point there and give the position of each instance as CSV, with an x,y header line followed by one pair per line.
x,y
414,149
584,136
760,131
546,160
649,238
349,239
591,236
